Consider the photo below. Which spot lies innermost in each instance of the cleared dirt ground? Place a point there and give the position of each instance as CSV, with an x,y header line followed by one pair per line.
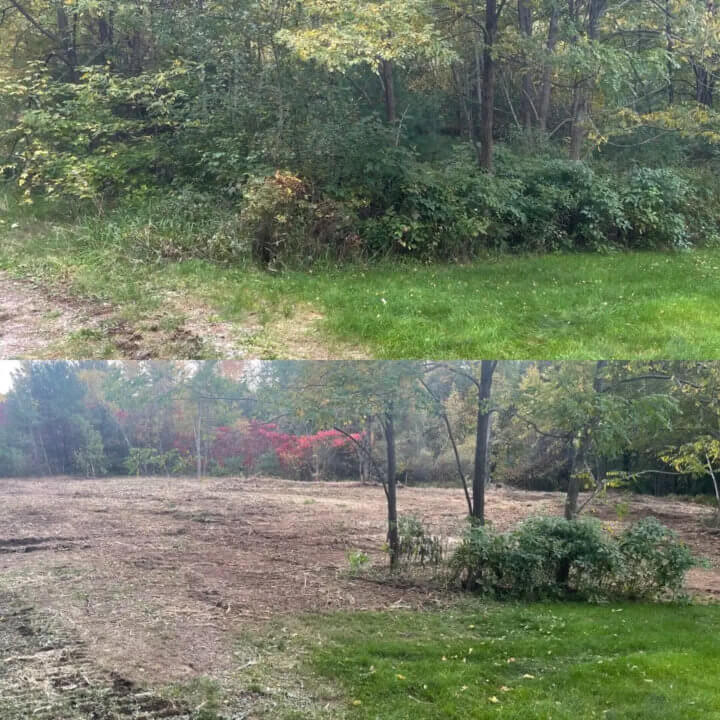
x,y
37,322
145,581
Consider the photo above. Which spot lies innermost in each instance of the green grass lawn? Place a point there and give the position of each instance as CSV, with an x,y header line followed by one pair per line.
x,y
556,306
559,661
578,306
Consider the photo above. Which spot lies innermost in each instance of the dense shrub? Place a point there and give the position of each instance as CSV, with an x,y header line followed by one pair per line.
x,y
562,205
282,220
423,468
655,204
653,559
150,461
554,557
269,464
95,137
344,189
432,216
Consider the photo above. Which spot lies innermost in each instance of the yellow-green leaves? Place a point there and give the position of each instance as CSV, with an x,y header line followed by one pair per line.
x,y
340,34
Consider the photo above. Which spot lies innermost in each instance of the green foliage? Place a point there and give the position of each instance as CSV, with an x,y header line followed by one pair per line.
x,y
268,464
149,461
657,204
357,32
90,459
282,221
622,509
417,545
654,560
358,561
95,137
231,466
553,557
559,204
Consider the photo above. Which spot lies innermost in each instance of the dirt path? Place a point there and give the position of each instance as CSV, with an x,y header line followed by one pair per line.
x,y
31,322
36,323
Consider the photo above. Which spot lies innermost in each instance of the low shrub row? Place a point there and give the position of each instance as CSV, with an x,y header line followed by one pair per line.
x,y
550,557
419,210
457,212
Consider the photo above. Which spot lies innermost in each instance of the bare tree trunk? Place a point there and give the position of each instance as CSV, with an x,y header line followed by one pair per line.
x,y
481,471
392,536
106,34
583,87
197,428
714,481
386,68
573,490
576,453
704,85
66,36
487,108
578,129
528,91
704,79
453,444
546,87
670,50
364,467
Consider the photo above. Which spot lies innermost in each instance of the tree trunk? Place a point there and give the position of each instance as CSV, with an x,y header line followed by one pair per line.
x,y
487,108
583,87
714,482
368,443
576,452
386,68
526,107
106,32
481,471
66,36
670,50
578,129
704,85
392,536
198,446
546,87
573,491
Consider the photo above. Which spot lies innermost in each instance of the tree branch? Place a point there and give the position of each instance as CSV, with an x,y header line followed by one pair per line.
x,y
444,416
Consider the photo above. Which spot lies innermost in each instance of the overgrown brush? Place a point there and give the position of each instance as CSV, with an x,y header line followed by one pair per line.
x,y
417,545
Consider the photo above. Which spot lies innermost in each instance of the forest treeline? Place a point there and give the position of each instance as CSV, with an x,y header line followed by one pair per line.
x,y
290,132
649,427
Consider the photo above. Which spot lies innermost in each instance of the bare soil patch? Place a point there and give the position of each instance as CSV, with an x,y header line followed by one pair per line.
x,y
38,323
157,578
31,321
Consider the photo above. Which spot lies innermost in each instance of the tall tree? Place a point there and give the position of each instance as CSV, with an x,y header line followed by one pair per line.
x,y
349,395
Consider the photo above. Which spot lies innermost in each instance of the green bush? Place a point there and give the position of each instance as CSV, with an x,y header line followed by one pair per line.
x,y
269,464
358,561
655,204
149,461
654,561
179,224
417,546
283,221
563,205
431,215
554,557
93,138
